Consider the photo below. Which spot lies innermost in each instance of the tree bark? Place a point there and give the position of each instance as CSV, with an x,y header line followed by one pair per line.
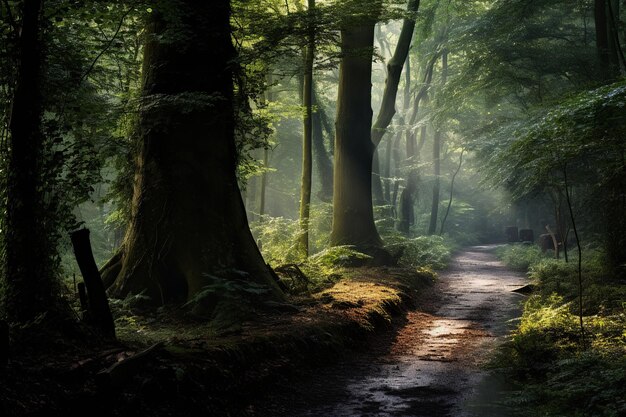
x,y
322,159
388,105
353,216
434,210
411,145
188,218
394,71
30,285
98,302
445,217
580,255
307,153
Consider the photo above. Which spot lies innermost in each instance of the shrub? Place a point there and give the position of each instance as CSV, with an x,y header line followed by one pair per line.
x,y
519,256
422,251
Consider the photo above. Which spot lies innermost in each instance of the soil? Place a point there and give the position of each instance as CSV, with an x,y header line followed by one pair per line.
x,y
431,365
398,345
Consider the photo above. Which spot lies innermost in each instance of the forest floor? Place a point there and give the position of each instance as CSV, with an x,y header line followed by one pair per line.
x,y
381,341
432,364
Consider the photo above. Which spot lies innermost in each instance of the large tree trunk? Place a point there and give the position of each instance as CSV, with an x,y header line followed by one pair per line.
x,y
353,216
188,219
307,153
28,252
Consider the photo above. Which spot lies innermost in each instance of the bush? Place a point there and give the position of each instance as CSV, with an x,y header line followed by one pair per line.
x,y
278,239
558,372
520,257
422,251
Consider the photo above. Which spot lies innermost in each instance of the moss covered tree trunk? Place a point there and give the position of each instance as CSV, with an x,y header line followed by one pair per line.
x,y
188,218
353,217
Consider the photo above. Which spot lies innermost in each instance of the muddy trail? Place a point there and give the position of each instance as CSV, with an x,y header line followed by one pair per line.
x,y
431,365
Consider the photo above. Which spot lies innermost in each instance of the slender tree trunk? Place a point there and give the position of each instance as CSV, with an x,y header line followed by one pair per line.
x,y
607,55
30,289
264,179
422,95
322,159
266,158
580,256
353,216
407,201
434,210
307,154
445,217
188,219
377,184
388,106
394,71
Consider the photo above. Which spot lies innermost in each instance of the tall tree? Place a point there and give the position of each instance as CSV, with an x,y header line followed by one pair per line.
x,y
388,105
434,211
307,136
394,71
353,214
322,159
188,219
29,276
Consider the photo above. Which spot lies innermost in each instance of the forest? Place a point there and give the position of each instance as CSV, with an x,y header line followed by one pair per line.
x,y
313,208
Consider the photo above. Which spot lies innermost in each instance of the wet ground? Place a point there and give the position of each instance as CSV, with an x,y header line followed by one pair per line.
x,y
432,366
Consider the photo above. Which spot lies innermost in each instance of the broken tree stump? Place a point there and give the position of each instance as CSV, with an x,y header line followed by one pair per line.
x,y
98,302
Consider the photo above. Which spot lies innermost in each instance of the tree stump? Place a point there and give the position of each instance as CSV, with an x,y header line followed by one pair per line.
x,y
545,242
511,233
96,296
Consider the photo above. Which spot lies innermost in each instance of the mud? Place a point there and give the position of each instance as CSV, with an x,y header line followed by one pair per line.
x,y
432,366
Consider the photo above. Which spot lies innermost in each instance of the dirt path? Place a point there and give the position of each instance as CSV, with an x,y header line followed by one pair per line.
x,y
432,366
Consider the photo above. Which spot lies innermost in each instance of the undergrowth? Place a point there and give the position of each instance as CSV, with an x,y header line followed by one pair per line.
x,y
277,238
557,371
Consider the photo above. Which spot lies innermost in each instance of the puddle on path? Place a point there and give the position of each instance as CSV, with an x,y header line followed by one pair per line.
x,y
434,366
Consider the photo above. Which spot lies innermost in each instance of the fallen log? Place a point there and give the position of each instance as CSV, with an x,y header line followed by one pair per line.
x,y
122,372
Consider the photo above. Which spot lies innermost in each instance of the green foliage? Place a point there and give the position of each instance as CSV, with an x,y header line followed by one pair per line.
x,y
278,239
555,375
557,372
520,257
430,252
226,300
